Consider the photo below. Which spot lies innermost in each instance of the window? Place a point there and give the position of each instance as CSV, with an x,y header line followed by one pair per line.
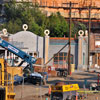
x,y
62,58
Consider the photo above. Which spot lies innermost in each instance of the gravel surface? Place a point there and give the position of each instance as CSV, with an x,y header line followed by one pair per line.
x,y
36,92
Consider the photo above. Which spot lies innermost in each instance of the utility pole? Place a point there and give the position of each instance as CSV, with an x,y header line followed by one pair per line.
x,y
89,31
70,21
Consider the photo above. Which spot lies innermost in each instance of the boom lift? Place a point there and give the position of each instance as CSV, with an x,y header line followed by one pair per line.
x,y
6,84
26,58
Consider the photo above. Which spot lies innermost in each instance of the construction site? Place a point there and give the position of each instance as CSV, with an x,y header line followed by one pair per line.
x,y
33,67
25,77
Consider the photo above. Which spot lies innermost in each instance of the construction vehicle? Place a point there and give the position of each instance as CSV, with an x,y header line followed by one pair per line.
x,y
6,83
26,58
28,70
7,73
64,91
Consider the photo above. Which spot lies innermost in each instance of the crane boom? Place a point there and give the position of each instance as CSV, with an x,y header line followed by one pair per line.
x,y
26,58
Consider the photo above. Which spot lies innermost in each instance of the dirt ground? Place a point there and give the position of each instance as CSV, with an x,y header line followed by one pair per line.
x,y
36,92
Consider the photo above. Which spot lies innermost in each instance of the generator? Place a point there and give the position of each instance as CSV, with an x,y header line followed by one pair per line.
x,y
64,92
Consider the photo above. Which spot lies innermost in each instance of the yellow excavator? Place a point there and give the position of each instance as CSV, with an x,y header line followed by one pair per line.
x,y
7,80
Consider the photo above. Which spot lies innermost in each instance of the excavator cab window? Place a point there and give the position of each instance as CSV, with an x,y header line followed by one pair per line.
x,y
2,94
0,65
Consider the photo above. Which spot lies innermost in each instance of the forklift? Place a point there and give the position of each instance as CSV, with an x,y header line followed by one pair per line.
x,y
64,91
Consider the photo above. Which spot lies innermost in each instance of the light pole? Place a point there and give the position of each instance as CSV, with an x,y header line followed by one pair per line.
x,y
89,31
70,19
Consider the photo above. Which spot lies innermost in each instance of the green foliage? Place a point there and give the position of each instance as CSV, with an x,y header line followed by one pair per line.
x,y
13,26
81,26
26,13
78,26
58,26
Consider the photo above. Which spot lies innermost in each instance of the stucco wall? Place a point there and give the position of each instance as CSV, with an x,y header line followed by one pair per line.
x,y
31,42
54,47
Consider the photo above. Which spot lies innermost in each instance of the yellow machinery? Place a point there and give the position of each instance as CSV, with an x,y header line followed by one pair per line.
x,y
6,83
15,71
64,92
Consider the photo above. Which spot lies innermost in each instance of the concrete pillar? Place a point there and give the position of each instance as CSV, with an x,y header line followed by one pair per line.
x,y
80,40
46,49
46,45
82,51
86,51
37,46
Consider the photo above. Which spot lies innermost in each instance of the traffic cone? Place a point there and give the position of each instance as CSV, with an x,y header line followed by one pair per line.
x,y
76,96
96,98
70,73
49,92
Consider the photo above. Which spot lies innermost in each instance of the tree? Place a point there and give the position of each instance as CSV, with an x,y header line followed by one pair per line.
x,y
27,13
57,25
24,13
78,26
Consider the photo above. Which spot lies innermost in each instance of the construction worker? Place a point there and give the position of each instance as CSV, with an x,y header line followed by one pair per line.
x,y
45,77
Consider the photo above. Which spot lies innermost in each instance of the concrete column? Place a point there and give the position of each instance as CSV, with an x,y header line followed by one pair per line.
x,y
82,49
80,40
37,46
86,51
46,48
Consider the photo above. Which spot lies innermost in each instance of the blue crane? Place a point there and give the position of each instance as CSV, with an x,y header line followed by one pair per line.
x,y
26,58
